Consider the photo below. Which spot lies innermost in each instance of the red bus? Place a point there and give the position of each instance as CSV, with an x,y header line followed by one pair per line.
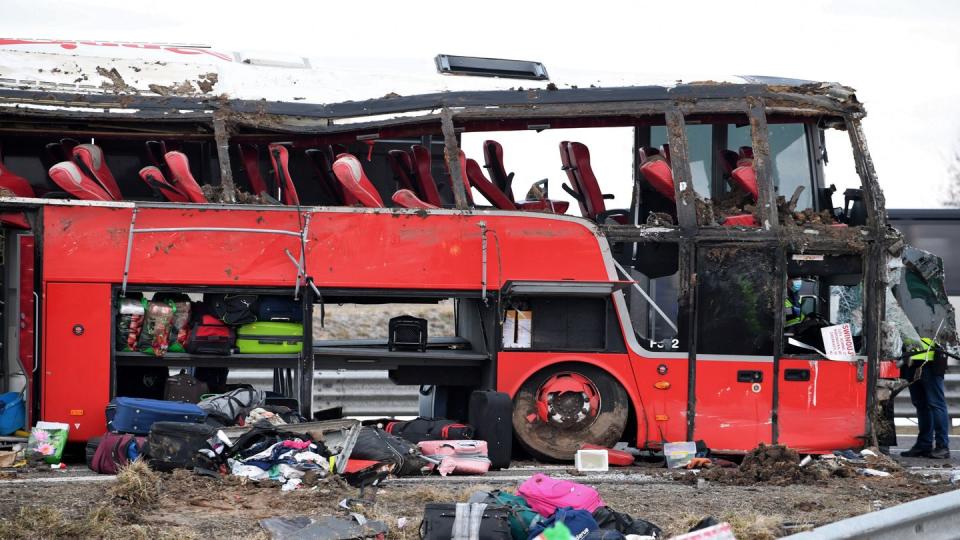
x,y
659,319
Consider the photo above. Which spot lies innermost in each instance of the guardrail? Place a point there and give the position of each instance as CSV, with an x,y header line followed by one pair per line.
x,y
930,518
902,408
371,393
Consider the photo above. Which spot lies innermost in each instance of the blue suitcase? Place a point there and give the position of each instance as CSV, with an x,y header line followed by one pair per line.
x,y
279,308
136,415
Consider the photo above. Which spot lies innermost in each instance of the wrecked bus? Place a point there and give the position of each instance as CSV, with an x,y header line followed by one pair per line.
x,y
691,307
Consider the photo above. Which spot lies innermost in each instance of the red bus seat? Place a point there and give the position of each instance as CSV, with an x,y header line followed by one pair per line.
x,y
728,160
404,198
350,173
280,158
71,179
426,186
153,177
249,156
656,171
89,157
322,161
740,220
488,189
745,177
181,178
15,183
493,162
403,172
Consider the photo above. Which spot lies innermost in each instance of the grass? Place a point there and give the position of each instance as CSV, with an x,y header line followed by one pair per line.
x,y
49,522
137,485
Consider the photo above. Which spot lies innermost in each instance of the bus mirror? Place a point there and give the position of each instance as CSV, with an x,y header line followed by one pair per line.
x,y
808,304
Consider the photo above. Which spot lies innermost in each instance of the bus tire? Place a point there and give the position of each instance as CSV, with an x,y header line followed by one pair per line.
x,y
566,405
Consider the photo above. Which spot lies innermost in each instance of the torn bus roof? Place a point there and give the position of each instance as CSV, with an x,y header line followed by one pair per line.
x,y
170,80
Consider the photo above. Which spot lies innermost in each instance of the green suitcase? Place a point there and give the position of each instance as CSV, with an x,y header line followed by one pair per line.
x,y
270,337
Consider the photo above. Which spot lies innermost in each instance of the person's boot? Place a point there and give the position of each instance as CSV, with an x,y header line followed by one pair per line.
x,y
916,452
939,453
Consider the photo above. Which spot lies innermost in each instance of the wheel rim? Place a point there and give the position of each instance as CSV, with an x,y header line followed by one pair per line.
x,y
568,401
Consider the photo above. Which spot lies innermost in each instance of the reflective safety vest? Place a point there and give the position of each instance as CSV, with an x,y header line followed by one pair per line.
x,y
792,319
927,352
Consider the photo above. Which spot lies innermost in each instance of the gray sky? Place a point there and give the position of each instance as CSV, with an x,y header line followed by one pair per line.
x,y
902,57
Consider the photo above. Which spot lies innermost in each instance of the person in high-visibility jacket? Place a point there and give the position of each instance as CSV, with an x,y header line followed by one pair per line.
x,y
791,304
927,395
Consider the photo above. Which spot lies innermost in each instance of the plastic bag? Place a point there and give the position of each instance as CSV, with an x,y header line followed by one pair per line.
x,y
155,335
48,440
129,323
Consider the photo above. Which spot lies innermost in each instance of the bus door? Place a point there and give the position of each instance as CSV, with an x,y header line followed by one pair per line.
x,y
821,403
18,315
736,310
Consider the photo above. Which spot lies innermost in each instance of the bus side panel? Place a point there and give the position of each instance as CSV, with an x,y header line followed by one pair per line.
x,y
663,399
76,357
733,414
825,412
515,367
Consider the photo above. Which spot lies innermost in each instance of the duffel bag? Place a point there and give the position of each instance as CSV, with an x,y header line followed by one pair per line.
x,y
443,521
115,450
545,495
233,308
174,445
375,444
608,518
579,522
235,403
429,429
137,415
209,335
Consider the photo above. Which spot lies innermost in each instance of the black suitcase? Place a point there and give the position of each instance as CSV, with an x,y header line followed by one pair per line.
x,y
491,415
407,333
440,520
279,308
174,445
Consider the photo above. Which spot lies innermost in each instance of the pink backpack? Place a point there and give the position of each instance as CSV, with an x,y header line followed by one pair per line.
x,y
545,495
458,457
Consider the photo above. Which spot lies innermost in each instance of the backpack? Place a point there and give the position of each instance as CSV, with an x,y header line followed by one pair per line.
x,y
175,445
227,407
429,429
184,387
114,452
521,517
545,495
579,522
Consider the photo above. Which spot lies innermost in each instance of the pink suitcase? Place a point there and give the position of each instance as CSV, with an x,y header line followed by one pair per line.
x,y
457,457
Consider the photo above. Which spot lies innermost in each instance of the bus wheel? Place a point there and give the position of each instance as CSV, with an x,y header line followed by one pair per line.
x,y
565,406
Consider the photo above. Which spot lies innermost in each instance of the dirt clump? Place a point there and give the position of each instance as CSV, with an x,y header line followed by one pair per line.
x,y
774,464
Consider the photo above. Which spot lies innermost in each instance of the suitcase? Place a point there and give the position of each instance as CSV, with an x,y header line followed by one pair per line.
x,y
429,429
91,450
491,415
457,457
279,308
407,333
185,388
137,415
440,520
270,338
174,445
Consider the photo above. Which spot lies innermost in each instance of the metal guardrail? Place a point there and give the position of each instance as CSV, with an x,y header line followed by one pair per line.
x,y
371,393
930,518
360,393
903,408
